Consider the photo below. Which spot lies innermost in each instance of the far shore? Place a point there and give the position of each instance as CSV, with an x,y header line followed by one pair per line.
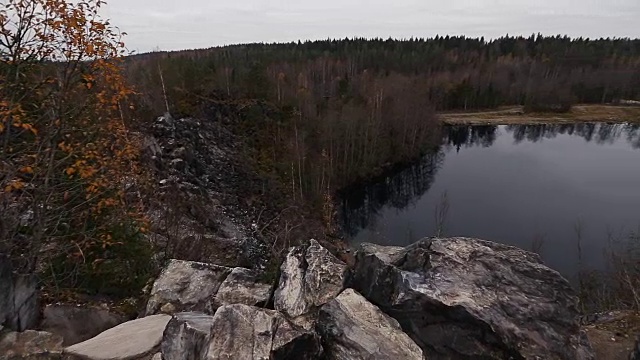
x,y
515,115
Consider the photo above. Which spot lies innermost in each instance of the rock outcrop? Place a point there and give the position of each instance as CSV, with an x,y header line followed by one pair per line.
x,y
242,287
353,328
466,298
186,286
132,340
309,277
454,298
76,324
30,344
18,298
241,332
187,337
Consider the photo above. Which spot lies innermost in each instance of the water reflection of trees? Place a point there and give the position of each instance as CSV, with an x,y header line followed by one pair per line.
x,y
469,136
600,133
362,203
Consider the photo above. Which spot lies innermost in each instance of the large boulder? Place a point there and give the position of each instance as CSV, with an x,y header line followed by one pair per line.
x,y
76,324
246,332
19,308
466,298
353,328
310,277
30,344
242,286
186,286
187,337
134,339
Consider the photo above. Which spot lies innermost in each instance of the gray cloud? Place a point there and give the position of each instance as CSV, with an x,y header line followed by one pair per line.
x,y
173,25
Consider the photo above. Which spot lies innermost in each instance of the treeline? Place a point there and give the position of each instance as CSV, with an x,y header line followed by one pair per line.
x,y
352,106
454,72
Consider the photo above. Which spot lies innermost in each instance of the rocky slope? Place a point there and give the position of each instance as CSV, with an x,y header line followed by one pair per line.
x,y
211,202
455,298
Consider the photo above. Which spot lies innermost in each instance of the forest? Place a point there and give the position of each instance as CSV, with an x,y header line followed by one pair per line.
x,y
350,108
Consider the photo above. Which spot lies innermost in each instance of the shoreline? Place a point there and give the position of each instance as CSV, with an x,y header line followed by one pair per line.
x,y
515,115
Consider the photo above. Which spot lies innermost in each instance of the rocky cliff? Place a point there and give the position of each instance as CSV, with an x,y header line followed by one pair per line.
x,y
454,298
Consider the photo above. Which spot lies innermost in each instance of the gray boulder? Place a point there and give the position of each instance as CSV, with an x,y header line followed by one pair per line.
x,y
353,328
30,344
134,339
466,298
187,337
186,286
76,324
19,308
242,287
246,332
310,277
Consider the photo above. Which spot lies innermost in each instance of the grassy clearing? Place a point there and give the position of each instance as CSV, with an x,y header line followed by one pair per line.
x,y
516,115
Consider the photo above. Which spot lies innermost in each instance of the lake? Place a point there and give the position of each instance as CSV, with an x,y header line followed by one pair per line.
x,y
564,191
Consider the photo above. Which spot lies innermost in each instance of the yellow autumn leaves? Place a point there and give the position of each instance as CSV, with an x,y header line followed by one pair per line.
x,y
65,149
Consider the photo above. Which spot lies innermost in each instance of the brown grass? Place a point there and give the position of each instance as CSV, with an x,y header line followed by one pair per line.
x,y
515,115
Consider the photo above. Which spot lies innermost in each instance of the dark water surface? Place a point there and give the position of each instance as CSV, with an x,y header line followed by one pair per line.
x,y
534,186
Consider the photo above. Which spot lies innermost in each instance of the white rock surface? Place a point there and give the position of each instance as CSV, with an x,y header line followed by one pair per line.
x,y
310,277
187,286
187,336
131,340
353,328
242,332
242,287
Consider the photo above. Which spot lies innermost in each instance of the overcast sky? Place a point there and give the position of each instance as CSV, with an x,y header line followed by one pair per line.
x,y
175,24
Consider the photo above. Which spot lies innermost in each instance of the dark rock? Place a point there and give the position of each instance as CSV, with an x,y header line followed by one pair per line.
x,y
242,287
31,345
187,337
6,290
134,339
19,308
466,298
179,153
187,286
165,120
224,251
310,277
178,164
353,328
635,353
76,324
245,332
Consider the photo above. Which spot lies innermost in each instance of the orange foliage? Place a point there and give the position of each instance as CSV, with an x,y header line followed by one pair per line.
x,y
65,149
